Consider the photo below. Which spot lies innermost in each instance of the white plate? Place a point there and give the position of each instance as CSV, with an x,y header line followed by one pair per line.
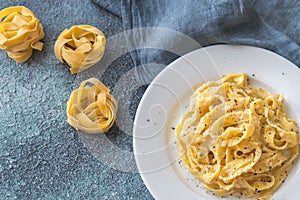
x,y
166,100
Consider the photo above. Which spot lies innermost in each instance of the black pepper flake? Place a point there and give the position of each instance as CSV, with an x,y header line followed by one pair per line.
x,y
173,128
282,73
148,120
253,74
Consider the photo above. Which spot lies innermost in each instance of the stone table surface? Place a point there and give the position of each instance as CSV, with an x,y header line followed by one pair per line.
x,y
41,156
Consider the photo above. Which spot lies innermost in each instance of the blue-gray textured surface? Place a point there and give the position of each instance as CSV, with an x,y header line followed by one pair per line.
x,y
41,156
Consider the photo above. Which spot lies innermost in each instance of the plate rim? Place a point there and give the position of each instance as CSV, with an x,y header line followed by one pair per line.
x,y
170,66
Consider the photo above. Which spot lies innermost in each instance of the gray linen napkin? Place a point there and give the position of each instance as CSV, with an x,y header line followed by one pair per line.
x,y
160,31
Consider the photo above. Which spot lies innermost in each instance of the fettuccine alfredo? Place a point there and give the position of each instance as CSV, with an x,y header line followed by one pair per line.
x,y
237,139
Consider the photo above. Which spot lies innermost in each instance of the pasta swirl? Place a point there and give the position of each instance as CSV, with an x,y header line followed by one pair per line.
x,y
91,108
80,47
237,139
20,32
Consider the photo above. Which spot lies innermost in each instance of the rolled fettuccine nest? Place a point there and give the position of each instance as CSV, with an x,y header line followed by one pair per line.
x,y
91,108
81,47
20,32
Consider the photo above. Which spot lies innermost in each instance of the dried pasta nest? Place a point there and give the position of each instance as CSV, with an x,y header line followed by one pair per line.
x,y
81,47
91,108
20,32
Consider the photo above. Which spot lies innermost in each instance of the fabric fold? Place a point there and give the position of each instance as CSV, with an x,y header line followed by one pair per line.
x,y
161,31
113,6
